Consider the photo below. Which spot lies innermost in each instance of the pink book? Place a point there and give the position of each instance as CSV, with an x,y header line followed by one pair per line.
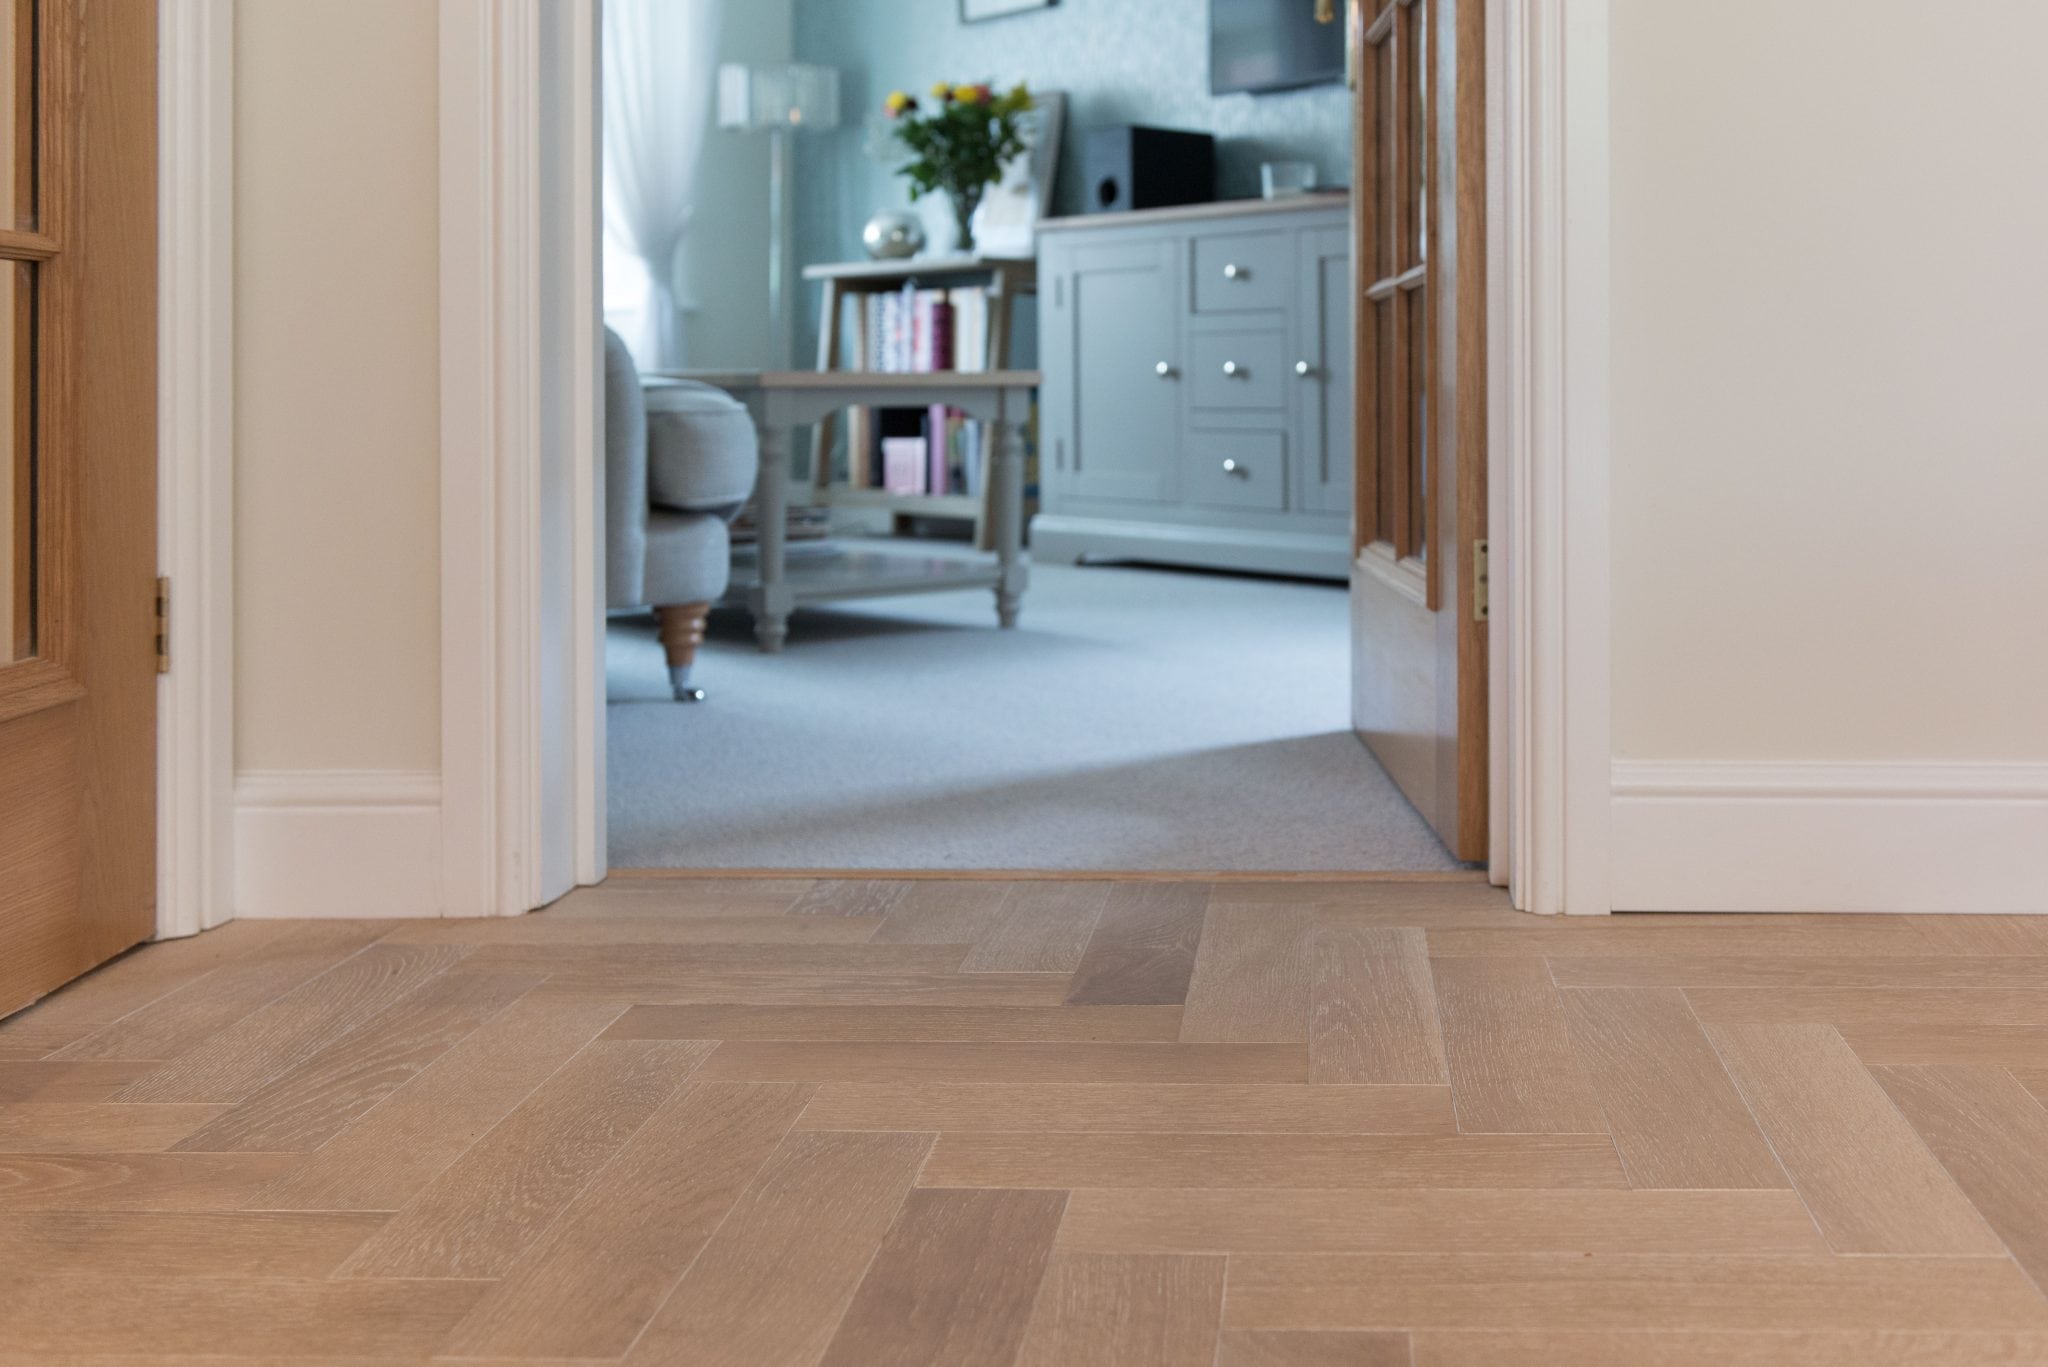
x,y
903,465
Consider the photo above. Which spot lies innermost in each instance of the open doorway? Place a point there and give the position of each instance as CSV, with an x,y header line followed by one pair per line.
x,y
1179,692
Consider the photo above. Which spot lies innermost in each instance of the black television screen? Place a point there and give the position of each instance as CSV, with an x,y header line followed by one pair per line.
x,y
1272,45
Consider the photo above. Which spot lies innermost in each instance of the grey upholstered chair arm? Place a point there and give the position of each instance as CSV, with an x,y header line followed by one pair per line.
x,y
625,478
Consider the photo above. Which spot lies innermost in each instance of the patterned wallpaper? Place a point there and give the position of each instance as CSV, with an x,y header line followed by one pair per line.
x,y
1119,61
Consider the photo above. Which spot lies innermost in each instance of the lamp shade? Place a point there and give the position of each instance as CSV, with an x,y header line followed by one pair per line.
x,y
796,96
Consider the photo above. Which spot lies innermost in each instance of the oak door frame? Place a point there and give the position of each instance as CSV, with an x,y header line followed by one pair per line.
x,y
195,463
1548,458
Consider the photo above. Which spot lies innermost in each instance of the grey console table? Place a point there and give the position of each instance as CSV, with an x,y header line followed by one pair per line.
x,y
1198,395
770,583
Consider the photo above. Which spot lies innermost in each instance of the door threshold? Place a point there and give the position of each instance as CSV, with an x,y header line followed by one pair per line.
x,y
1070,875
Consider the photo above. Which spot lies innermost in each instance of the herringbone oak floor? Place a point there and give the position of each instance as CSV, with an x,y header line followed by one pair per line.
x,y
1044,1123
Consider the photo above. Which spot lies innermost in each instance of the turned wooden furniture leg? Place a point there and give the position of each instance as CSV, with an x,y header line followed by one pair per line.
x,y
682,631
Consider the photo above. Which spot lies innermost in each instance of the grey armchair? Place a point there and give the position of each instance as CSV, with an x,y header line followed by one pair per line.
x,y
680,461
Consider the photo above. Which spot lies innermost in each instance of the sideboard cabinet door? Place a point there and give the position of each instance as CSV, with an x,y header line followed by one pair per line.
x,y
1116,331
1323,372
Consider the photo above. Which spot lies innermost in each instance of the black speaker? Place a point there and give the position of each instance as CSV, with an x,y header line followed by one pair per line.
x,y
1128,167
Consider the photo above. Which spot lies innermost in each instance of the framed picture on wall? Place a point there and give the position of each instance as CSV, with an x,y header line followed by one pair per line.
x,y
973,10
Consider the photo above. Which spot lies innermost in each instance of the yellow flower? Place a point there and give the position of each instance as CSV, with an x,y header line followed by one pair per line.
x,y
898,102
971,94
942,91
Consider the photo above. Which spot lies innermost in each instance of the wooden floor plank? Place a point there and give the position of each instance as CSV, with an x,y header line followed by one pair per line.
x,y
2034,1080
1278,1108
1681,1348
135,1181
816,1061
1992,1136
953,1283
304,1107
774,1281
1674,1114
908,1024
1871,1184
1639,936
769,987
588,1285
1057,1159
1373,1009
640,930
48,1080
1844,1007
97,1127
1814,971
1042,927
237,1060
1435,1220
482,1212
386,1158
625,895
862,897
209,1243
1997,1044
1512,1068
937,912
1143,950
134,980
1126,1310
602,965
179,1020
1313,1348
1252,974
269,1317
1548,1291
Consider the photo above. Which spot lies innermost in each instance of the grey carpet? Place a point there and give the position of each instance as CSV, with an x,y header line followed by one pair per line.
x,y
1135,719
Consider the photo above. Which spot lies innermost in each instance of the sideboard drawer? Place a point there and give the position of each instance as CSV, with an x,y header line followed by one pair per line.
x,y
1233,370
1237,469
1243,272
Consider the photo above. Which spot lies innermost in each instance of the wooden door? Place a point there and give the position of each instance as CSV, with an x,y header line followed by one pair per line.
x,y
1417,590
78,452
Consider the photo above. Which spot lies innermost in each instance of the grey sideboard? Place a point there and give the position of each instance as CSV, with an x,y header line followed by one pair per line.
x,y
1197,405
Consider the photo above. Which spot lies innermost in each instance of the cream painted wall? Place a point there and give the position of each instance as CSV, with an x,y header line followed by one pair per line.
x,y
1831,417
337,385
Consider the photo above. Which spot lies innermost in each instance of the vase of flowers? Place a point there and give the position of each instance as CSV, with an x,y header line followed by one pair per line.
x,y
958,144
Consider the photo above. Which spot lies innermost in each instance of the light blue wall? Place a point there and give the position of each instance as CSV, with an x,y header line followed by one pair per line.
x,y
1119,61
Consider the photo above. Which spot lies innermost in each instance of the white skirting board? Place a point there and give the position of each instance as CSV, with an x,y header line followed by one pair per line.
x,y
338,843
1735,836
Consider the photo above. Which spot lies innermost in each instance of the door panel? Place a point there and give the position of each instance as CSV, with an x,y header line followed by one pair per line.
x,y
78,677
1124,324
1325,389
1419,642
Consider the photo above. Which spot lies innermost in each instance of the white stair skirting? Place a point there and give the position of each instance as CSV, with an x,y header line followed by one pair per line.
x,y
338,843
1738,836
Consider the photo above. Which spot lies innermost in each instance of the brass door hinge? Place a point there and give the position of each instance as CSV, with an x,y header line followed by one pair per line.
x,y
1481,606
163,624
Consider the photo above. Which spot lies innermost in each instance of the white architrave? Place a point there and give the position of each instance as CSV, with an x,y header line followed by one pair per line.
x,y
195,462
1548,290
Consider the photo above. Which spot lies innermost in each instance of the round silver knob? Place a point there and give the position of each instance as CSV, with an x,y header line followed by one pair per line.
x,y
1231,467
1232,271
1232,368
1163,370
1304,369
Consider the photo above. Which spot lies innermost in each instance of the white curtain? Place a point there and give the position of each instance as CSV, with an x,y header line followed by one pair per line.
x,y
660,57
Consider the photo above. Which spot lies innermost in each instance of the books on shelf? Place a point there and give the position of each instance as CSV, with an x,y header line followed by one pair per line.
x,y
919,332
